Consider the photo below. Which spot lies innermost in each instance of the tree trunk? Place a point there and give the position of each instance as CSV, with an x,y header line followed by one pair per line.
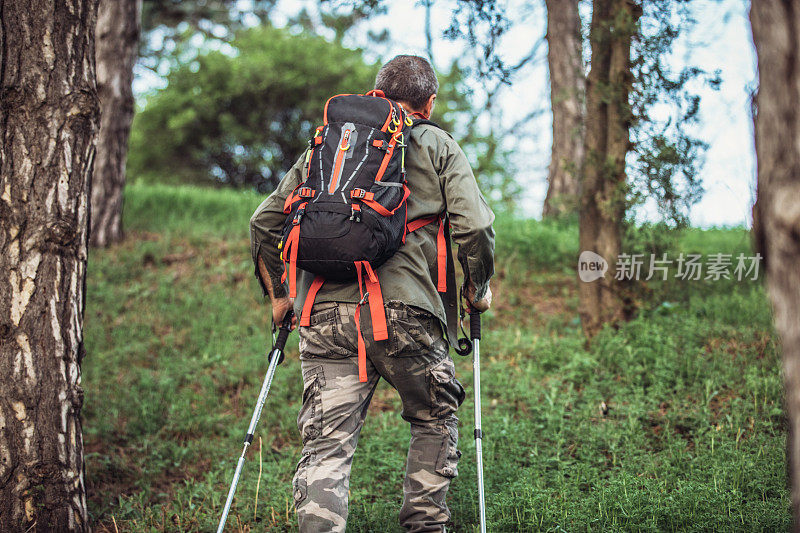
x,y
776,215
608,119
567,86
428,5
48,120
118,28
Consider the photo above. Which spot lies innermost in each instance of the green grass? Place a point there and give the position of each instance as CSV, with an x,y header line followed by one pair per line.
x,y
175,333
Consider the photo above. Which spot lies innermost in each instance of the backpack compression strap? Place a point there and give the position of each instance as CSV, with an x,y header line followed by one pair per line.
x,y
368,198
369,281
289,252
305,316
373,294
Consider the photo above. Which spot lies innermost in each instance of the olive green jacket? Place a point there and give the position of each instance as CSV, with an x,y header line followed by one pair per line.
x,y
441,180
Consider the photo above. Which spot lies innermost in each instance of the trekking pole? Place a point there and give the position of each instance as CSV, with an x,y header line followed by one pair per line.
x,y
475,334
275,358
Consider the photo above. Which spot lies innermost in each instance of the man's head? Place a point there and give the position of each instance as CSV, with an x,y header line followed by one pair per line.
x,y
409,80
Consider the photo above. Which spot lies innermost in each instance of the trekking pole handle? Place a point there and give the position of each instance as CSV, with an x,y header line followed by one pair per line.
x,y
475,325
284,330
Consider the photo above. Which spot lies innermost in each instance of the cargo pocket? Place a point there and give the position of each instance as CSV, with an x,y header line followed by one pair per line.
x,y
309,420
299,484
321,337
446,393
447,463
413,332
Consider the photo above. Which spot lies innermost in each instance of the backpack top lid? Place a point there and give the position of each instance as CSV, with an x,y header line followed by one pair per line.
x,y
371,109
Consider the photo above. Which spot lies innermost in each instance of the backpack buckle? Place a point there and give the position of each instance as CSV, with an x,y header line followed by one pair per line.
x,y
355,213
364,299
300,212
358,193
306,192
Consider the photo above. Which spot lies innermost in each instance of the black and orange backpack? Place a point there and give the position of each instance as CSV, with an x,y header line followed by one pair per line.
x,y
349,214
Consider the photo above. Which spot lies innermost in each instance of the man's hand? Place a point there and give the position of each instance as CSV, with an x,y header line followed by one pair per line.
x,y
281,306
481,305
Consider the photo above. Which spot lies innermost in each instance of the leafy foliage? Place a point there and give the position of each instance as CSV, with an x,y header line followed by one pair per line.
x,y
668,157
492,161
665,157
340,16
482,24
208,125
243,118
169,25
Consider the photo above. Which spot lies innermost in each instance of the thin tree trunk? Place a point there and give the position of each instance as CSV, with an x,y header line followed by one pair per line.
x,y
48,120
118,28
567,87
776,215
428,4
608,119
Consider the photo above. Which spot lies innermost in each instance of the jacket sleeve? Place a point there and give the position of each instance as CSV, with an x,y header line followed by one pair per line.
x,y
266,226
470,216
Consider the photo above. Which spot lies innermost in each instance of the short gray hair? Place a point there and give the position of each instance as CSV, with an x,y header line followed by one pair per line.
x,y
408,79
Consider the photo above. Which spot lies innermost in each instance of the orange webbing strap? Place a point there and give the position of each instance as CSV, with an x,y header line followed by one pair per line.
x,y
292,198
305,316
414,225
441,247
362,349
441,257
379,330
369,199
292,244
405,225
387,156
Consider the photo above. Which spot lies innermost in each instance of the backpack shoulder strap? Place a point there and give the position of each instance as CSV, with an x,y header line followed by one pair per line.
x,y
421,121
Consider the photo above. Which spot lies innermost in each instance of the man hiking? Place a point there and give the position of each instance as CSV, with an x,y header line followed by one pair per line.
x,y
420,313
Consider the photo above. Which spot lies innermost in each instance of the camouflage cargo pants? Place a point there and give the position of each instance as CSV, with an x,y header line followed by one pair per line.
x,y
415,361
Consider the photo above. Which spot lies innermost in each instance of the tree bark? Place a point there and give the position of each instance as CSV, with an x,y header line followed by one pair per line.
x,y
608,120
567,88
776,214
48,120
118,29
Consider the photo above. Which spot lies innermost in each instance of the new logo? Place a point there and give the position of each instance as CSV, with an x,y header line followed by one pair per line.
x,y
591,266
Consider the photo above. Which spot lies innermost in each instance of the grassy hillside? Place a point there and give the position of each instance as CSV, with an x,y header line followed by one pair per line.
x,y
176,334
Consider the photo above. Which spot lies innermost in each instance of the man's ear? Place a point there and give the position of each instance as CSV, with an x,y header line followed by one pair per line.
x,y
429,105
